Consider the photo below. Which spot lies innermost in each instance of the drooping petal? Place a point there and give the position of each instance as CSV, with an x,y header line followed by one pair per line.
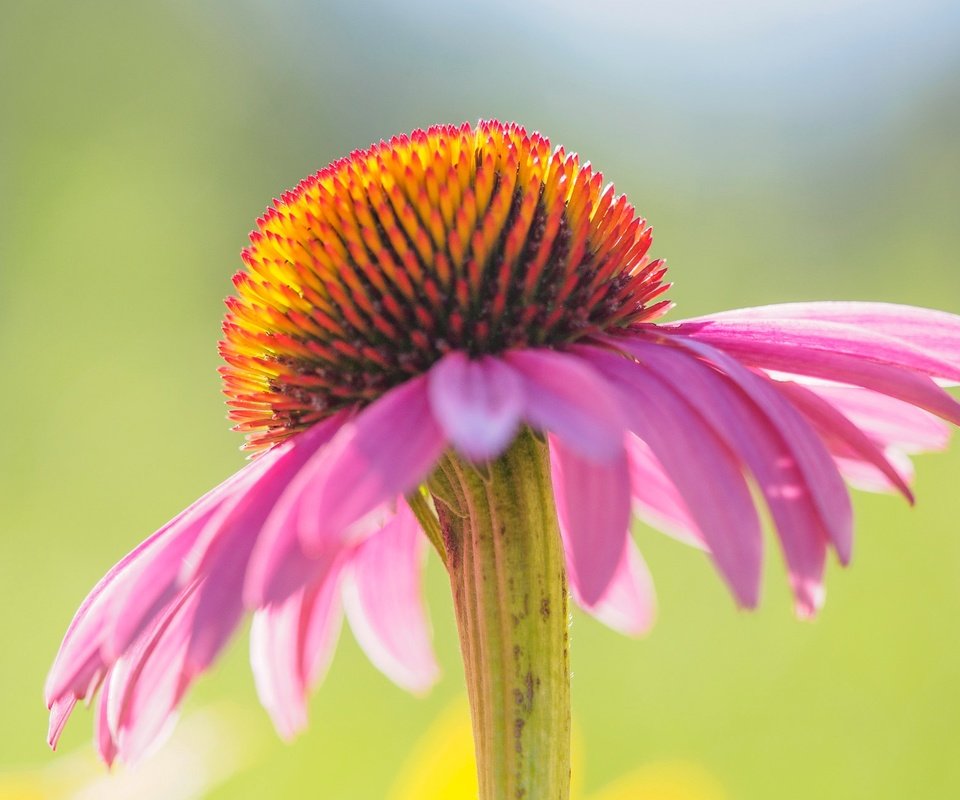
x,y
937,332
81,656
60,711
593,507
655,499
834,365
748,432
150,586
812,458
278,566
566,396
889,422
865,476
275,649
384,451
102,735
702,468
149,682
841,435
291,645
812,334
382,598
478,402
222,554
629,605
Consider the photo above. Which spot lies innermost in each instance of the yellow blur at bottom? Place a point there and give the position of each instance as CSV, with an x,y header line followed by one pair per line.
x,y
20,789
442,767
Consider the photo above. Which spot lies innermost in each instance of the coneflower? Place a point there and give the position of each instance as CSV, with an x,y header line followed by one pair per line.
x,y
455,333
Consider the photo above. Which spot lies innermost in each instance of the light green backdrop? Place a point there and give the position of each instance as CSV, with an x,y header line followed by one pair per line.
x,y
782,153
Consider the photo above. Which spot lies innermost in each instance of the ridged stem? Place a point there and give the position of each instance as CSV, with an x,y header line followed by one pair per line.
x,y
506,567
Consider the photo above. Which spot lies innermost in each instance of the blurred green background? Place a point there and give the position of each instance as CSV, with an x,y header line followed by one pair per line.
x,y
782,152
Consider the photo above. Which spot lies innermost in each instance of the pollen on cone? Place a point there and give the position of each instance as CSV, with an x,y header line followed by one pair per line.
x,y
478,239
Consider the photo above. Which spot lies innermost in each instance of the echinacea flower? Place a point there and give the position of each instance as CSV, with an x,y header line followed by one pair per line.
x,y
462,325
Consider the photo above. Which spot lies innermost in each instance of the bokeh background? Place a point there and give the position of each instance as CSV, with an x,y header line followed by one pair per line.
x,y
783,151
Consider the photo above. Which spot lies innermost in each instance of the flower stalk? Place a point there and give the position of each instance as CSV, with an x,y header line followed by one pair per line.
x,y
506,566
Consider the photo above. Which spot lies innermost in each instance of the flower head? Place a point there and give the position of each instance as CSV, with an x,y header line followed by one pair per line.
x,y
439,294
472,240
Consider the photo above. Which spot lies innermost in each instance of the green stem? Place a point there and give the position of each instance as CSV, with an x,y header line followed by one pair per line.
x,y
506,566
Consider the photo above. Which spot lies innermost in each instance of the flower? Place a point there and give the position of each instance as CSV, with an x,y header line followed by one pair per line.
x,y
440,293
441,767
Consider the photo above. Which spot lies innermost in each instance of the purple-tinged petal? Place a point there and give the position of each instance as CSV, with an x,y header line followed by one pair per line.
x,y
629,604
865,476
278,566
291,645
149,682
809,337
386,450
275,646
898,382
566,396
811,456
655,499
85,652
323,617
60,711
937,332
154,581
383,603
478,403
888,422
840,434
102,735
593,507
700,465
747,431
149,587
222,554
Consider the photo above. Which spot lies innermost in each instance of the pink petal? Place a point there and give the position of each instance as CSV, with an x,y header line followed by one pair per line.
x,y
386,450
866,477
150,585
747,431
223,553
321,629
887,421
810,455
85,651
934,335
655,499
478,403
701,467
383,603
60,711
629,604
593,506
102,735
291,645
566,396
934,331
841,435
834,365
149,682
278,565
